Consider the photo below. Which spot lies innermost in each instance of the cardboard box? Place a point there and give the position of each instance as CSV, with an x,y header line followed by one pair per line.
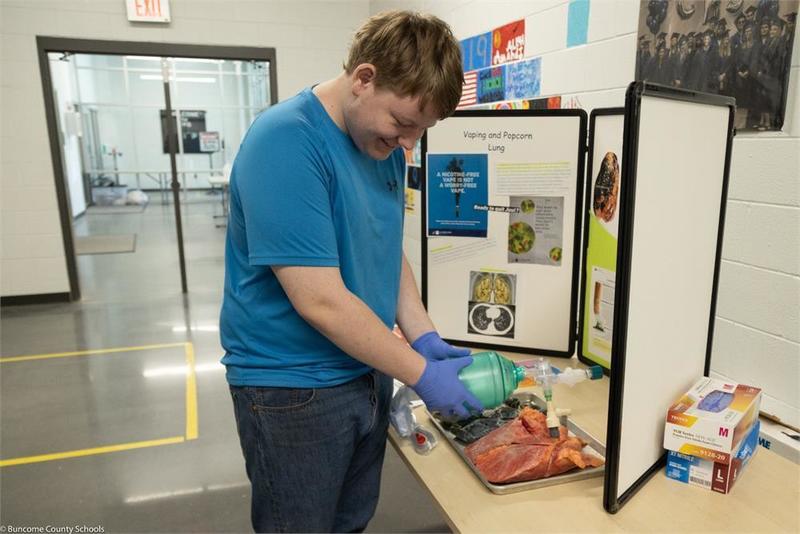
x,y
778,439
711,419
716,476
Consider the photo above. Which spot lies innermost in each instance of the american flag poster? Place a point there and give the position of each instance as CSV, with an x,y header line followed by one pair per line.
x,y
469,94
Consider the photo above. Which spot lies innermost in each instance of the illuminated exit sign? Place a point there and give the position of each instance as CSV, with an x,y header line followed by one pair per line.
x,y
148,10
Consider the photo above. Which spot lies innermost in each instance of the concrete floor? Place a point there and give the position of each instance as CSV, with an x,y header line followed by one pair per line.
x,y
87,401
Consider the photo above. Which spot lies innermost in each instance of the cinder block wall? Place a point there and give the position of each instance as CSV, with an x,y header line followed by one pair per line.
x,y
310,38
758,313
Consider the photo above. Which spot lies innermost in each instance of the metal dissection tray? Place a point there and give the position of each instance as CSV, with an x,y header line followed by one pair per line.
x,y
593,447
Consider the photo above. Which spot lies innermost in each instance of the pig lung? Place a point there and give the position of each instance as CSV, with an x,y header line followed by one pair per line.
x,y
523,450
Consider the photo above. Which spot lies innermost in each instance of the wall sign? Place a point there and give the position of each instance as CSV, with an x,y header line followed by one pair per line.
x,y
477,51
508,42
148,10
491,84
209,141
193,123
523,79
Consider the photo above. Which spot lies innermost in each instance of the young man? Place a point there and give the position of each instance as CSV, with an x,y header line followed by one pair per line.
x,y
315,279
736,40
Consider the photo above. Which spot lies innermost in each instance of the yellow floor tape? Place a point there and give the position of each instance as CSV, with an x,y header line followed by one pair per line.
x,y
191,404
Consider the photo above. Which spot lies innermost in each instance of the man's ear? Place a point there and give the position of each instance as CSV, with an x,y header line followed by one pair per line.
x,y
363,78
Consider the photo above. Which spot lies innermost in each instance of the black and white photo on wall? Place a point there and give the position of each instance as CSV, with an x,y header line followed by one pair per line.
x,y
738,48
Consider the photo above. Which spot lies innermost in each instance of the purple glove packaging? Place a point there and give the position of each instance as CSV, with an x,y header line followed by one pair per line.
x,y
711,419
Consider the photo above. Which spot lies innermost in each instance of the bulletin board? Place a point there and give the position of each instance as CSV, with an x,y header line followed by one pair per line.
x,y
600,233
677,149
502,203
193,123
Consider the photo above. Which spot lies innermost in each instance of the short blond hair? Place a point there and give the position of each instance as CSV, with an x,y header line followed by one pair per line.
x,y
414,55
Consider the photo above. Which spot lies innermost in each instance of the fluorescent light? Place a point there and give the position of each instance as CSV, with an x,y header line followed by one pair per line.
x,y
144,58
194,60
196,328
176,59
222,487
182,492
195,79
181,370
163,495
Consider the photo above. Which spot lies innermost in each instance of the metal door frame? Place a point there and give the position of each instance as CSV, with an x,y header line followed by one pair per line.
x,y
46,44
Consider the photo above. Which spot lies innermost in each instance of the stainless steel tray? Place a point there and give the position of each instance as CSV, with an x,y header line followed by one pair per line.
x,y
593,447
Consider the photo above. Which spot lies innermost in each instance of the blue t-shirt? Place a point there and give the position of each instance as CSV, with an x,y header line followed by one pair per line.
x,y
301,193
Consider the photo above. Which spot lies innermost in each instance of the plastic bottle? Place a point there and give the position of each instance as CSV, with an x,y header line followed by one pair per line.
x,y
491,378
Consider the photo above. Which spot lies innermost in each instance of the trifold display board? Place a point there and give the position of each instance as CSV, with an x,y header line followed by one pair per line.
x,y
676,155
502,202
600,235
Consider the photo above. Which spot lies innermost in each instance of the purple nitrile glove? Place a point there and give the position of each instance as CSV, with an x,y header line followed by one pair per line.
x,y
441,390
433,347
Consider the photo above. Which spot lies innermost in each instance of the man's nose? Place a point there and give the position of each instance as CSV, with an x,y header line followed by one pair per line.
x,y
408,140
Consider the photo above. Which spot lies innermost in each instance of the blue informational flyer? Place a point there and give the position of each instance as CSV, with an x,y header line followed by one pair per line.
x,y
456,184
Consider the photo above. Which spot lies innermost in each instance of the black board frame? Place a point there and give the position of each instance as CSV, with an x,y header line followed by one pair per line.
x,y
633,96
577,245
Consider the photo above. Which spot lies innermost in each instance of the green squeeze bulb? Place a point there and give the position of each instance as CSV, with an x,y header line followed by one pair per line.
x,y
491,378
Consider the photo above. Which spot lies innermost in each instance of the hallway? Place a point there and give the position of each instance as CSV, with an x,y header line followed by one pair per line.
x,y
138,397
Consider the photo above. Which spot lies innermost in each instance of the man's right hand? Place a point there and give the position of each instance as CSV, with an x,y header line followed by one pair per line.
x,y
433,347
441,390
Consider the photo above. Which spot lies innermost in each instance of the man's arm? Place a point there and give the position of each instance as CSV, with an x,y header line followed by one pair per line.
x,y
412,318
319,295
416,324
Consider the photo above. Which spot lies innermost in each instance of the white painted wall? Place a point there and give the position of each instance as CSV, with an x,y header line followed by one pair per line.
x,y
310,38
757,331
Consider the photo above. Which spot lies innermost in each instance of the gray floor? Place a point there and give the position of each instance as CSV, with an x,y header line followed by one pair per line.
x,y
87,401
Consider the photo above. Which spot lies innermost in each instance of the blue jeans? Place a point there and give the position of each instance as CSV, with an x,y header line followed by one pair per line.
x,y
314,456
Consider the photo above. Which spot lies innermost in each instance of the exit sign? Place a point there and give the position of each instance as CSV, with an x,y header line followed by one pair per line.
x,y
148,10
